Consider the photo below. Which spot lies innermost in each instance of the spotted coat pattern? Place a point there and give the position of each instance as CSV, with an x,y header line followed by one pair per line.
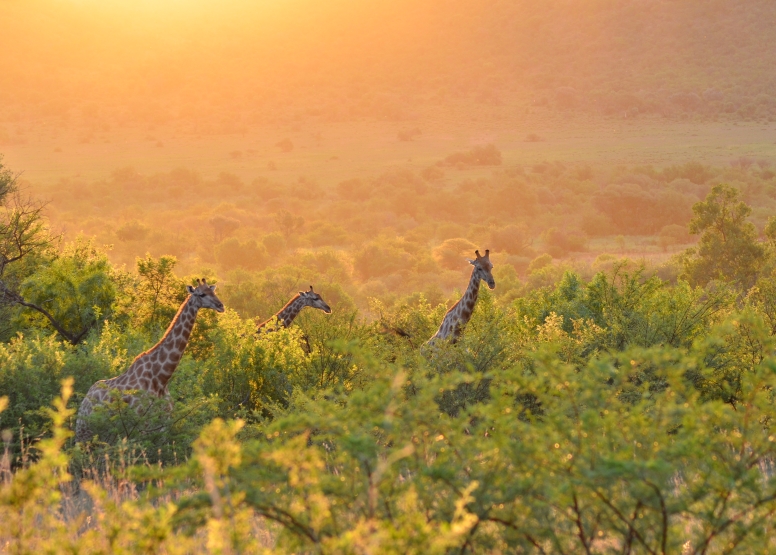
x,y
461,312
291,310
151,370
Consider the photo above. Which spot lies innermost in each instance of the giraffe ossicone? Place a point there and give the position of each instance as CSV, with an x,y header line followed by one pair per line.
x,y
151,371
292,308
461,312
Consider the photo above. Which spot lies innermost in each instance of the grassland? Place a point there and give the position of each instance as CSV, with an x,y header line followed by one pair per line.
x,y
332,152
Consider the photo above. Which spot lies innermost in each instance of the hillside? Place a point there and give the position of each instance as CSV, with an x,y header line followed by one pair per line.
x,y
228,67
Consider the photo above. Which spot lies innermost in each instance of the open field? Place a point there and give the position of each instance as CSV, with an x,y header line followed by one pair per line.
x,y
332,152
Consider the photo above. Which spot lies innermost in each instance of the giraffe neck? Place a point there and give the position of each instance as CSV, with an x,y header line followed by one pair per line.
x,y
160,361
460,313
466,304
287,314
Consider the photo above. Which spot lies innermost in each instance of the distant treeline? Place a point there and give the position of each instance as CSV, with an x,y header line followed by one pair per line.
x,y
400,231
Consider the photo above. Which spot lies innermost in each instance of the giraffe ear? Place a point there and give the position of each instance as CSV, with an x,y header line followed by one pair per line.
x,y
302,293
190,289
471,261
212,287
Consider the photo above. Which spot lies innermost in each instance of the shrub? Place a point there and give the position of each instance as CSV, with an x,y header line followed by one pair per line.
x,y
539,262
132,231
223,226
380,258
233,253
286,145
275,243
562,242
452,253
354,189
487,155
76,288
432,174
408,134
512,239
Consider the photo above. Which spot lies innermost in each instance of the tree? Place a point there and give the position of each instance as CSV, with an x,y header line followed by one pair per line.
x,y
160,291
237,254
7,181
75,288
223,227
288,223
728,248
25,243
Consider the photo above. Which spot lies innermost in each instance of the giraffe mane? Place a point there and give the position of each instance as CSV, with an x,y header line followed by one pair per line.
x,y
285,306
183,305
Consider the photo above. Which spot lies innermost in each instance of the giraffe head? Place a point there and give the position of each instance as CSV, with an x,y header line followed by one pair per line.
x,y
482,268
203,296
313,299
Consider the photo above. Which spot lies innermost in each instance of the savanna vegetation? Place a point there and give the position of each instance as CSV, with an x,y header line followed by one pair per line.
x,y
611,406
400,232
613,394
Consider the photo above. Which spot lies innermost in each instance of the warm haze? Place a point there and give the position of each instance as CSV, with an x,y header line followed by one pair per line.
x,y
592,390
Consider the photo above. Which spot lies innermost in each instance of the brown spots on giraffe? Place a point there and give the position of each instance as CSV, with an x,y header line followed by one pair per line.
x,y
461,312
150,370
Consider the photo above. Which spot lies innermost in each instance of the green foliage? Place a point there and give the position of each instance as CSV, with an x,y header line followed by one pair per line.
x,y
599,469
611,412
576,413
541,261
32,367
30,500
155,298
728,248
249,372
394,233
75,288
7,181
379,259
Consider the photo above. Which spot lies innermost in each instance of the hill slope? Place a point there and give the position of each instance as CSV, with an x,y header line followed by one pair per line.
x,y
228,67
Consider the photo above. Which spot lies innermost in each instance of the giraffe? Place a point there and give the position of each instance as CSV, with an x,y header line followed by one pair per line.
x,y
293,307
152,370
460,313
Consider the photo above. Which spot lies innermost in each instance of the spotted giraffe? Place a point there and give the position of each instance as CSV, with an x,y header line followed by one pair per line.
x,y
151,370
286,315
461,312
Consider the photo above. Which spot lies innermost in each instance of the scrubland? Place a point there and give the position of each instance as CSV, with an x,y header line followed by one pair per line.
x,y
612,394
